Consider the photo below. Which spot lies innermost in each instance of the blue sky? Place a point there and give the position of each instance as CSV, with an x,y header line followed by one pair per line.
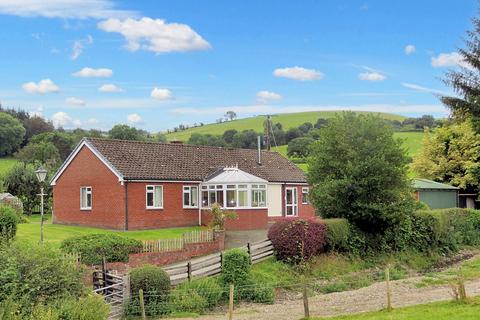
x,y
156,64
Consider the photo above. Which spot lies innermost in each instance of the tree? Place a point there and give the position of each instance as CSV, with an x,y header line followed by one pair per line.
x,y
228,135
40,153
230,115
321,123
451,154
36,125
299,147
63,141
465,81
161,137
359,172
305,127
11,134
292,133
247,139
125,132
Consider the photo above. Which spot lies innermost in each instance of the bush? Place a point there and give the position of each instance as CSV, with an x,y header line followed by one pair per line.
x,y
32,274
207,288
185,301
93,247
295,241
91,307
338,234
235,267
8,223
155,283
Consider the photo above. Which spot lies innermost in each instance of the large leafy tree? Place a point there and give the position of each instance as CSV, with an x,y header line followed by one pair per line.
x,y
451,154
11,134
465,81
359,172
125,132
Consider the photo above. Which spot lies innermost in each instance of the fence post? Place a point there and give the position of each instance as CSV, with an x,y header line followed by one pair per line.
x,y
104,273
189,270
126,288
230,303
142,303
249,252
389,293
306,307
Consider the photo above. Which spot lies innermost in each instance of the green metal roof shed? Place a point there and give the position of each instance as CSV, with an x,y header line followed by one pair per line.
x,y
436,195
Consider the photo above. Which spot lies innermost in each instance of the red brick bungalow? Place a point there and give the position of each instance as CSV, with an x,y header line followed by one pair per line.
x,y
131,185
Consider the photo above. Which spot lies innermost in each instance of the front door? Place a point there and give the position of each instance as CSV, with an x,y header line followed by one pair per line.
x,y
291,202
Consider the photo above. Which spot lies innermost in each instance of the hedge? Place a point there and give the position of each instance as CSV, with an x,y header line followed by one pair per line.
x,y
8,223
93,247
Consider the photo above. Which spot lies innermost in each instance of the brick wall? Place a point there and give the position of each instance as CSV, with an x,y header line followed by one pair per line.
x,y
172,215
247,219
108,209
191,250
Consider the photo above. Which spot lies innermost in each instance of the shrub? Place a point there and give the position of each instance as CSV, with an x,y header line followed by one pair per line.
x,y
207,288
185,301
93,247
8,223
33,274
235,267
91,307
338,234
297,240
155,283
219,216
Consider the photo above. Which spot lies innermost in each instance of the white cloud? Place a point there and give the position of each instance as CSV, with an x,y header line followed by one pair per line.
x,y
79,45
298,73
64,120
266,96
372,76
155,35
42,87
161,94
93,73
92,121
449,60
109,87
68,9
409,49
419,88
75,101
134,118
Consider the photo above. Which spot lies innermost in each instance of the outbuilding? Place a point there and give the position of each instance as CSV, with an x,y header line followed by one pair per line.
x,y
436,195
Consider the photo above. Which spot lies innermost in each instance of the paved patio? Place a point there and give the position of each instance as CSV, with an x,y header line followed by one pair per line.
x,y
234,239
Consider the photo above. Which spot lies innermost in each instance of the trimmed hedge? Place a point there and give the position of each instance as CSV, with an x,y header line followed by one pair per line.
x,y
93,247
338,234
297,240
8,223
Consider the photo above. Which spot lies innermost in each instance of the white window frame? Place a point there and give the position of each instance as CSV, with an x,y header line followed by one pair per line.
x,y
188,189
154,186
88,191
307,191
249,188
294,204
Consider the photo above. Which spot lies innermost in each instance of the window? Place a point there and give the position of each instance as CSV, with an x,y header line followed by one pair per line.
x,y
305,191
85,198
242,195
259,195
154,197
231,196
190,197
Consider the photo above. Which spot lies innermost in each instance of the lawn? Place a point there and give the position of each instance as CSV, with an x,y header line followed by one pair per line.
x,y
6,164
55,233
468,270
433,311
288,120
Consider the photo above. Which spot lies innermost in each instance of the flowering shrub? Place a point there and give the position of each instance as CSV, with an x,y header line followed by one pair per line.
x,y
297,240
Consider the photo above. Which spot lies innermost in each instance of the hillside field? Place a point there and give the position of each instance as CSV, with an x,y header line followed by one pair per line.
x,y
6,164
288,120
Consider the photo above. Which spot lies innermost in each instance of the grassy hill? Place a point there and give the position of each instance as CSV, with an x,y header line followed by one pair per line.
x,y
6,164
288,120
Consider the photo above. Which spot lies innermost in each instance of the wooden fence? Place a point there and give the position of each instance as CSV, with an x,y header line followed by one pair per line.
x,y
175,244
212,264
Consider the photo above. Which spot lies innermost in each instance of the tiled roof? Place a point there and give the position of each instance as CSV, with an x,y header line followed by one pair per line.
x,y
136,160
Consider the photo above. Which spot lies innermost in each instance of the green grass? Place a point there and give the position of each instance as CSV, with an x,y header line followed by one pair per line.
x,y
412,141
451,310
468,270
288,120
6,164
54,233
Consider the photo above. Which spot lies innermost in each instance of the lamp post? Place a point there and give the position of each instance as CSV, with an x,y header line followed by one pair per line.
x,y
41,175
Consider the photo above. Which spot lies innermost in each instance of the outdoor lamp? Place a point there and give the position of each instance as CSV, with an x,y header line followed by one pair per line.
x,y
41,174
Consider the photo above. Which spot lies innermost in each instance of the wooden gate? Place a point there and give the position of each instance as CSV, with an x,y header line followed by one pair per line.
x,y
113,288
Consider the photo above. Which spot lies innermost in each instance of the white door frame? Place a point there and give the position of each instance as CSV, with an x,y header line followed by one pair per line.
x,y
294,204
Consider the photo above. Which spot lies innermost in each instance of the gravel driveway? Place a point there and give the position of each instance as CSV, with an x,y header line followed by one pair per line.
x,y
372,298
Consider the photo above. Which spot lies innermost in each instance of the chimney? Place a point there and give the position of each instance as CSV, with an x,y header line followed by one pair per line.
x,y
259,160
175,141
